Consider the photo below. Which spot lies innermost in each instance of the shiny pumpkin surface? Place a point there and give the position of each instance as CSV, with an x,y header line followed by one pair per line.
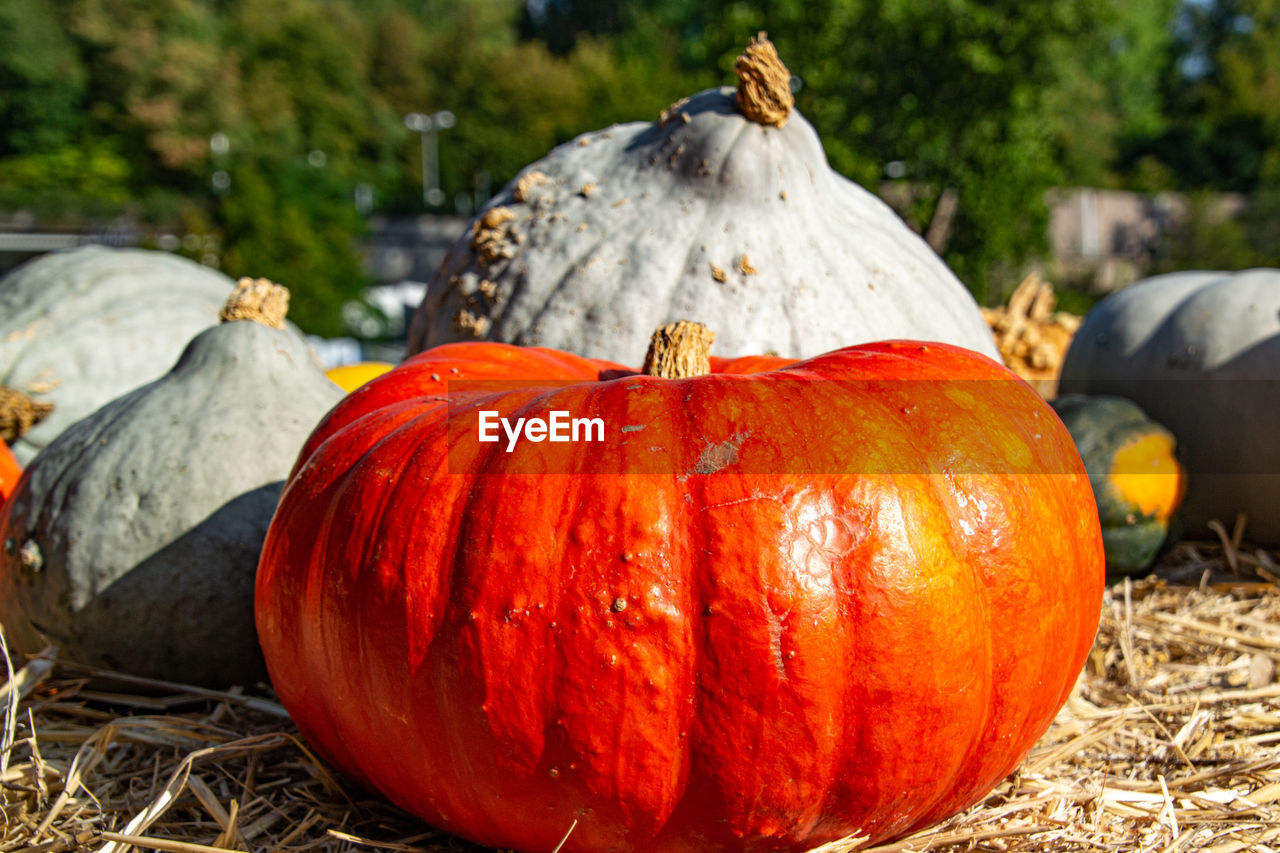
x,y
750,645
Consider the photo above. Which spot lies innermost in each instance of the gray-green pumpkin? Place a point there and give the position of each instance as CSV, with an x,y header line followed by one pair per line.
x,y
133,541
81,327
723,211
1199,352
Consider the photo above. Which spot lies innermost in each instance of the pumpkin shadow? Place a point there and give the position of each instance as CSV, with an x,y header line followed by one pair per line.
x,y
1229,476
203,630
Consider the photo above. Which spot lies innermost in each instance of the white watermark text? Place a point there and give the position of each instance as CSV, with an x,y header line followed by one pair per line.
x,y
557,427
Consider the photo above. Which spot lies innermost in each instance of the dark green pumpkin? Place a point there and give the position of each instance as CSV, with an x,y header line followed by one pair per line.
x,y
1137,480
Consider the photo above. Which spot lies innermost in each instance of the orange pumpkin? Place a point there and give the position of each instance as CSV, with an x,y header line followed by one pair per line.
x,y
779,604
10,471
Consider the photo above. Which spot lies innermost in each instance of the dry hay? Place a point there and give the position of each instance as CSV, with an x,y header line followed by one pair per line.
x,y
1031,336
1171,741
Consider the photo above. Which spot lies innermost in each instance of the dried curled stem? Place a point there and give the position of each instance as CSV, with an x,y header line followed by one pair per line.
x,y
679,350
19,413
764,84
259,300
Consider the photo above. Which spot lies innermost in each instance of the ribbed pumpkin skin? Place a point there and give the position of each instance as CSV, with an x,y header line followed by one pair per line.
x,y
692,660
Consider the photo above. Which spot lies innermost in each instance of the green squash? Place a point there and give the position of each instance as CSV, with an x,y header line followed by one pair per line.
x,y
1137,480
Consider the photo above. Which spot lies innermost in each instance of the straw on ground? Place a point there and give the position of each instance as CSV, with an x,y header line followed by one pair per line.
x,y
1170,741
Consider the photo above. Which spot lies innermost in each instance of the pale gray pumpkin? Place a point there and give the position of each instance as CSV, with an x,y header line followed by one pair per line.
x,y
705,215
81,327
133,543
1200,353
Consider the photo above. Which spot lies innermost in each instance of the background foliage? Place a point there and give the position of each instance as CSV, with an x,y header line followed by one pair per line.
x,y
108,106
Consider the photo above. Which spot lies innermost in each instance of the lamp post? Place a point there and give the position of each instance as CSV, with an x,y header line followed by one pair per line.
x,y
428,125
219,145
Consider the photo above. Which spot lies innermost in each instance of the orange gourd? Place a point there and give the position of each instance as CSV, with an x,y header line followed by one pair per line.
x,y
777,604
10,471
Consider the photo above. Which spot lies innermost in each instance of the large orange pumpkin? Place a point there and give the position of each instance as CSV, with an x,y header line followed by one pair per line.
x,y
767,611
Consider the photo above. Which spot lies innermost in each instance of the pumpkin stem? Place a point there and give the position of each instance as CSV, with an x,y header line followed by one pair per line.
x,y
259,300
19,413
764,84
679,350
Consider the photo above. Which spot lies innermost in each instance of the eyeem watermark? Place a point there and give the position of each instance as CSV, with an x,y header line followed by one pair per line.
x,y
792,424
558,427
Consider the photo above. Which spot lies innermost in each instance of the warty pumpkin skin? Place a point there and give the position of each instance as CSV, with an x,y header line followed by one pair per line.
x,y
133,539
731,650
704,213
1199,352
82,327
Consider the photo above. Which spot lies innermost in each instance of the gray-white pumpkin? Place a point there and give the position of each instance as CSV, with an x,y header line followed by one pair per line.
x,y
1200,353
708,215
81,327
133,541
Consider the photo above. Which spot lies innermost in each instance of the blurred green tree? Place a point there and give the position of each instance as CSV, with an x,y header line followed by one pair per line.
x,y
516,99
293,223
1108,90
980,100
160,82
1221,98
42,81
256,121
